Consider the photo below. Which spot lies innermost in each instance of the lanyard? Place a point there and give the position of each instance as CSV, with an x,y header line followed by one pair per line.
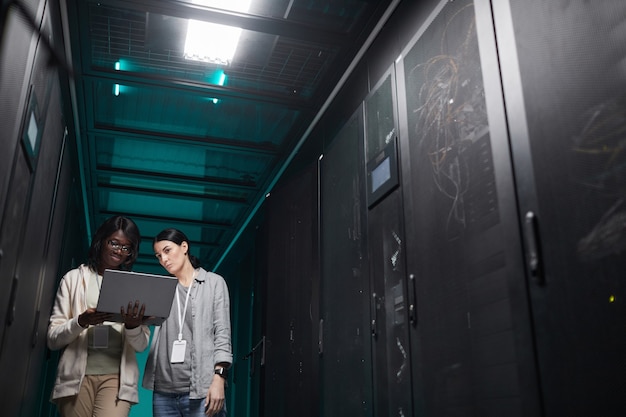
x,y
91,294
181,316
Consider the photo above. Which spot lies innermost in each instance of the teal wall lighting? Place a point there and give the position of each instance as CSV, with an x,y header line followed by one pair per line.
x,y
217,77
116,87
122,65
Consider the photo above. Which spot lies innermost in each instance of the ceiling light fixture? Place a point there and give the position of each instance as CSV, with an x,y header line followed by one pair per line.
x,y
211,42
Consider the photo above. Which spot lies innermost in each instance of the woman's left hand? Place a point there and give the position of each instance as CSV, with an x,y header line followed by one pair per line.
x,y
133,317
214,401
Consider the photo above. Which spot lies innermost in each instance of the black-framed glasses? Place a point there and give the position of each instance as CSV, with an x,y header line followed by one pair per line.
x,y
115,245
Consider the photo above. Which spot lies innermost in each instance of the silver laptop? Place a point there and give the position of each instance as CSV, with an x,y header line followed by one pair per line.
x,y
121,287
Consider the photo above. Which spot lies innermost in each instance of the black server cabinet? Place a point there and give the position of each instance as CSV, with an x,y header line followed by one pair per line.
x,y
564,63
344,342
471,342
288,350
386,254
32,212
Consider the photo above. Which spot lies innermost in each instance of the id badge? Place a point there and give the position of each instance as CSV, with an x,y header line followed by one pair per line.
x,y
101,337
178,351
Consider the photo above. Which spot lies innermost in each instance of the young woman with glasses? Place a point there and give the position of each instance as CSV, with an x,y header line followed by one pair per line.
x,y
97,374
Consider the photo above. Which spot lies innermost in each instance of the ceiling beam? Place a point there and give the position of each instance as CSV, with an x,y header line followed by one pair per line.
x,y
196,87
194,243
246,186
174,194
232,146
172,221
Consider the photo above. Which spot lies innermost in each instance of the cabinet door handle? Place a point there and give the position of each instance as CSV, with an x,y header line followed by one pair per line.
x,y
412,301
533,248
35,334
12,300
374,313
320,338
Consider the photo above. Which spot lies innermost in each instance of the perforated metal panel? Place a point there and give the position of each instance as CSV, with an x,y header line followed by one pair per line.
x,y
572,57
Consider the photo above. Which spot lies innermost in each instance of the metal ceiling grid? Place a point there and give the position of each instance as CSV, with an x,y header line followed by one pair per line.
x,y
153,43
177,143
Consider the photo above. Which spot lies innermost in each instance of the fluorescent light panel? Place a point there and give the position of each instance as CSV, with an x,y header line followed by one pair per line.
x,y
211,42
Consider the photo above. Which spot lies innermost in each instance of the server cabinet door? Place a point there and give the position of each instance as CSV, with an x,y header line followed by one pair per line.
x,y
564,62
344,343
390,338
386,252
289,349
471,341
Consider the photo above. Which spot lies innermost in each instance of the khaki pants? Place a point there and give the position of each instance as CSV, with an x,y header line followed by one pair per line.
x,y
97,398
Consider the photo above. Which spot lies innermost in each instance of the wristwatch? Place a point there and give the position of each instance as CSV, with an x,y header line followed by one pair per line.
x,y
221,372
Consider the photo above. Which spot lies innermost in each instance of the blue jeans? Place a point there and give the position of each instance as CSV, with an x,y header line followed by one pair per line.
x,y
178,405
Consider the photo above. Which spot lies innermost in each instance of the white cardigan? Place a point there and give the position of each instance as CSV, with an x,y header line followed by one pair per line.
x,y
65,332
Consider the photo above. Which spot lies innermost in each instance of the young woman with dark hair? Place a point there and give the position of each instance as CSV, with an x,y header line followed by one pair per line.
x,y
191,351
97,374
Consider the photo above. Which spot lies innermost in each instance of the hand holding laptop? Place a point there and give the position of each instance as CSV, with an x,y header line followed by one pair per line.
x,y
133,317
91,317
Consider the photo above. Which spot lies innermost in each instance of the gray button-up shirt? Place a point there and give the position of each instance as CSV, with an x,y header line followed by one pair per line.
x,y
209,306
